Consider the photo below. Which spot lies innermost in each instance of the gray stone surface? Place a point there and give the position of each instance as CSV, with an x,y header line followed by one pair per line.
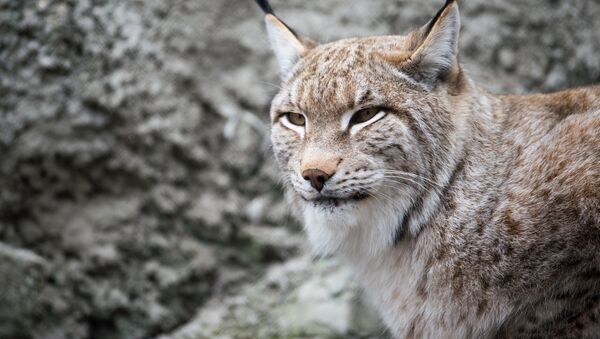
x,y
136,185
301,298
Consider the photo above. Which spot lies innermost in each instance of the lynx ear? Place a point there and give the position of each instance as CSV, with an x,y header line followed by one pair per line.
x,y
287,46
437,53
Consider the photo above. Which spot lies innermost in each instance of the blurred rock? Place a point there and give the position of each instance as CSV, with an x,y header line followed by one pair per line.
x,y
326,305
207,216
257,208
22,275
168,199
269,244
297,299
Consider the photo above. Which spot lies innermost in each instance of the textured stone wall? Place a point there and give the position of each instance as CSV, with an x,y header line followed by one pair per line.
x,y
135,176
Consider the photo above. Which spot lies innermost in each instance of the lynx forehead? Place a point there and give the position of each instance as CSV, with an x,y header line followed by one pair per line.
x,y
464,214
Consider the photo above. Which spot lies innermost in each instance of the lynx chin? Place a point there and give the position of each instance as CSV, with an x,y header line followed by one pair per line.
x,y
463,214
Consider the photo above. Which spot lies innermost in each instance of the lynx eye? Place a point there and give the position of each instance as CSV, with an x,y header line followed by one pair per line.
x,y
362,118
364,115
295,118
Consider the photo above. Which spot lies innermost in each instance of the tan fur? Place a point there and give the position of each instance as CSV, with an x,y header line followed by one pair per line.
x,y
465,215
317,160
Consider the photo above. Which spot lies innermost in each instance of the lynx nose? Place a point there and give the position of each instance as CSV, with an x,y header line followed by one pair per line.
x,y
316,177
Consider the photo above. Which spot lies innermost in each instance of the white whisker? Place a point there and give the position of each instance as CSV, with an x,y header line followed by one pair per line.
x,y
429,181
389,178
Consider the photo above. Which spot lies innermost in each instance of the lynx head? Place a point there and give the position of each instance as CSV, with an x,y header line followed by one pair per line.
x,y
366,130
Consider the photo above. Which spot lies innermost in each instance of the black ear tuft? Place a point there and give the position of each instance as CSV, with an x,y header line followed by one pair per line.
x,y
437,16
265,6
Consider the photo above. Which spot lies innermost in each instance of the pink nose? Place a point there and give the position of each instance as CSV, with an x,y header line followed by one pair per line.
x,y
316,177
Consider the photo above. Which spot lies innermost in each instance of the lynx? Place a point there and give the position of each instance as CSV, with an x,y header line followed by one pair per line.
x,y
463,214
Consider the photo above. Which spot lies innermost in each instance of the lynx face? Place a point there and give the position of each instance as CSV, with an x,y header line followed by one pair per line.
x,y
363,130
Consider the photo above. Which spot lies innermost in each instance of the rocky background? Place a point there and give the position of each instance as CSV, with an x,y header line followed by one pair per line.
x,y
138,197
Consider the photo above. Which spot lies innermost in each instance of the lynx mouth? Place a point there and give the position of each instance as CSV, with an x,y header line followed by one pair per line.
x,y
335,202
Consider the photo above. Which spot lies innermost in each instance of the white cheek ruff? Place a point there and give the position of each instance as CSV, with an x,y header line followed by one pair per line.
x,y
354,129
364,230
298,129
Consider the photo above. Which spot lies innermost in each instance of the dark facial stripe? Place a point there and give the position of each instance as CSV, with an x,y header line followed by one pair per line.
x,y
417,206
400,231
422,137
458,169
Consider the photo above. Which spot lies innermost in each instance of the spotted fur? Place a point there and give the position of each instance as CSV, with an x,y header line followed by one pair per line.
x,y
465,215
